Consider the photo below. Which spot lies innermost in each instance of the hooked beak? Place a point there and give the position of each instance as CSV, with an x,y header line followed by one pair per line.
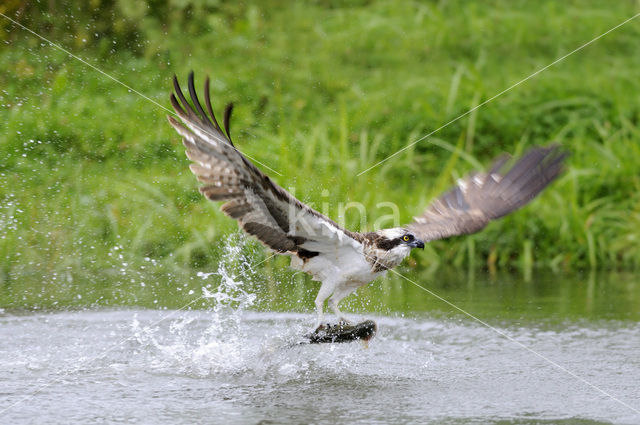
x,y
417,243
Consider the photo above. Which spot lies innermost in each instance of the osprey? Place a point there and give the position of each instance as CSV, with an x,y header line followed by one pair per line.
x,y
340,259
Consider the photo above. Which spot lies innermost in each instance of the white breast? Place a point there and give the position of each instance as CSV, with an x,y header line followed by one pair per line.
x,y
346,265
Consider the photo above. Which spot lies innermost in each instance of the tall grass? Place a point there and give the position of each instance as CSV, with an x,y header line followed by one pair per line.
x,y
90,171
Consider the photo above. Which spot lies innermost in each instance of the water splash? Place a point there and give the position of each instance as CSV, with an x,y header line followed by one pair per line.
x,y
215,341
230,299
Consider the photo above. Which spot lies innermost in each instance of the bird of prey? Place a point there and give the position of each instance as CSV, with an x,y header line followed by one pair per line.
x,y
340,259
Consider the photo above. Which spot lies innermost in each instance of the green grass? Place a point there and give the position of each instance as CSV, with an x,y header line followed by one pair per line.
x,y
323,90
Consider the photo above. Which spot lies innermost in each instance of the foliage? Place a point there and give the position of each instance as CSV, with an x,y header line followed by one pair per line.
x,y
88,166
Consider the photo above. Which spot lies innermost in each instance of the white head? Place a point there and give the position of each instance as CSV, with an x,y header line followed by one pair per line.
x,y
395,244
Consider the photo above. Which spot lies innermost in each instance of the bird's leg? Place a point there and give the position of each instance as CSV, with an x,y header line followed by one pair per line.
x,y
340,292
325,291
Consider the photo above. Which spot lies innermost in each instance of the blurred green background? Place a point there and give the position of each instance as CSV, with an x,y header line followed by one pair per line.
x,y
98,205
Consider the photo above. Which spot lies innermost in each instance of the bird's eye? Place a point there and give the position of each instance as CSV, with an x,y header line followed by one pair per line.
x,y
406,238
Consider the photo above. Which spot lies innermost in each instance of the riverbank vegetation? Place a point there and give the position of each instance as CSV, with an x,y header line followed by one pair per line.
x,y
94,184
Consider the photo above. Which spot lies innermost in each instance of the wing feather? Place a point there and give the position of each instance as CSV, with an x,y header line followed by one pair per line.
x,y
482,197
262,208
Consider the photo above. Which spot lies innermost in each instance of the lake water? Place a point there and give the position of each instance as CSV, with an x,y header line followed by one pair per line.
x,y
232,364
544,350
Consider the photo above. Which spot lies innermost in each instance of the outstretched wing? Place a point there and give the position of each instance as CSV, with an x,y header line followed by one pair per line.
x,y
261,207
482,197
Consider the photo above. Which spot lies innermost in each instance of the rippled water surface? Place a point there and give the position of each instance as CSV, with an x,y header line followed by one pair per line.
x,y
540,352
150,366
